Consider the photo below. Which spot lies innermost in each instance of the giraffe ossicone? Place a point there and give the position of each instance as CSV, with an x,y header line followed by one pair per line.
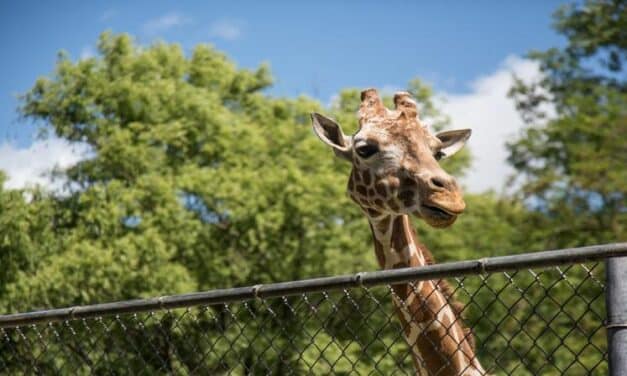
x,y
395,174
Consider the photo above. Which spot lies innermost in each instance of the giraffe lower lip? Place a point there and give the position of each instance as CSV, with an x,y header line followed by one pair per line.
x,y
434,211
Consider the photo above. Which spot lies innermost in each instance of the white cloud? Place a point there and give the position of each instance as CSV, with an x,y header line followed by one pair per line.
x,y
226,29
87,52
33,165
164,23
493,119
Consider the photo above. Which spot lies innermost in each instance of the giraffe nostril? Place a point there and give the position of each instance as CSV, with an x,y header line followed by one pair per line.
x,y
438,182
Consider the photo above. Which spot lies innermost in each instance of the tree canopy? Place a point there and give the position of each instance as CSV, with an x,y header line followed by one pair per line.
x,y
571,158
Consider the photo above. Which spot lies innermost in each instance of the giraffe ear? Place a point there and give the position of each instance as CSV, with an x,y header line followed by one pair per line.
x,y
331,134
452,142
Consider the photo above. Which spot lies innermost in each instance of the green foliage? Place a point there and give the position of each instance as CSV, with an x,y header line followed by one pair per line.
x,y
572,164
197,181
26,233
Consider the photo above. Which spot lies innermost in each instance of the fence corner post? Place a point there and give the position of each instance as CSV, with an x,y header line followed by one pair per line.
x,y
616,303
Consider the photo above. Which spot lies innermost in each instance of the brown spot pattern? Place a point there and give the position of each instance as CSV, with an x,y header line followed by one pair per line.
x,y
409,183
406,195
384,224
373,212
393,205
357,177
361,190
367,178
380,187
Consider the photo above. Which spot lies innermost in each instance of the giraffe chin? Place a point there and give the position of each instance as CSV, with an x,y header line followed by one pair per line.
x,y
439,223
435,216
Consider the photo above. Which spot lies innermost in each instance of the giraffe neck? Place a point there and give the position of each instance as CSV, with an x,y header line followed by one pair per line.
x,y
439,343
395,243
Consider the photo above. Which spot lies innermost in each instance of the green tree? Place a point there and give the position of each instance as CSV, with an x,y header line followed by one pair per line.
x,y
26,233
196,180
571,158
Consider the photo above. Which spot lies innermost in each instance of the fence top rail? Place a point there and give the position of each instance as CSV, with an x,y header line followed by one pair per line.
x,y
239,294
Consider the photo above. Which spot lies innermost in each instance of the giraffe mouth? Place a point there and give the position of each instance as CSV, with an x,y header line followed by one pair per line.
x,y
437,212
437,216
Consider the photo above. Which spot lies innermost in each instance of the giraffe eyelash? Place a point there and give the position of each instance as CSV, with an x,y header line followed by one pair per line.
x,y
366,151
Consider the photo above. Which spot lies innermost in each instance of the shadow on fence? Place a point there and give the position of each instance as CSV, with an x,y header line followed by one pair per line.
x,y
535,314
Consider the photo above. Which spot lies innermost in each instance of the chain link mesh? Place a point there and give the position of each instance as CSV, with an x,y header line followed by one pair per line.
x,y
526,322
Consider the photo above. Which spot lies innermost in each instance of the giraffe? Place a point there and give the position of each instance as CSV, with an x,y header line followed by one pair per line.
x,y
395,174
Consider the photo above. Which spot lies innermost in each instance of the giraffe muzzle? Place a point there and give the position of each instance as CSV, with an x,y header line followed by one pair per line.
x,y
438,215
437,212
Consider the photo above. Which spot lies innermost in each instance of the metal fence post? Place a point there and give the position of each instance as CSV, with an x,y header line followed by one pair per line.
x,y
616,303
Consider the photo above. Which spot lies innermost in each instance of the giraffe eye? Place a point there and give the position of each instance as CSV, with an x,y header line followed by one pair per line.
x,y
439,155
367,150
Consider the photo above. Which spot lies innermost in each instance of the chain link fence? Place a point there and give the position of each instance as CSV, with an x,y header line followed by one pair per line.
x,y
536,314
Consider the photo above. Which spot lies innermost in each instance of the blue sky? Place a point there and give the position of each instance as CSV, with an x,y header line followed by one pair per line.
x,y
314,48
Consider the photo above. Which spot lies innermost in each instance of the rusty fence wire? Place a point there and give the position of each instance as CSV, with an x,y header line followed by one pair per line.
x,y
534,314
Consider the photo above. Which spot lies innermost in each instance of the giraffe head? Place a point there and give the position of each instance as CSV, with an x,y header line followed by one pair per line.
x,y
395,161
